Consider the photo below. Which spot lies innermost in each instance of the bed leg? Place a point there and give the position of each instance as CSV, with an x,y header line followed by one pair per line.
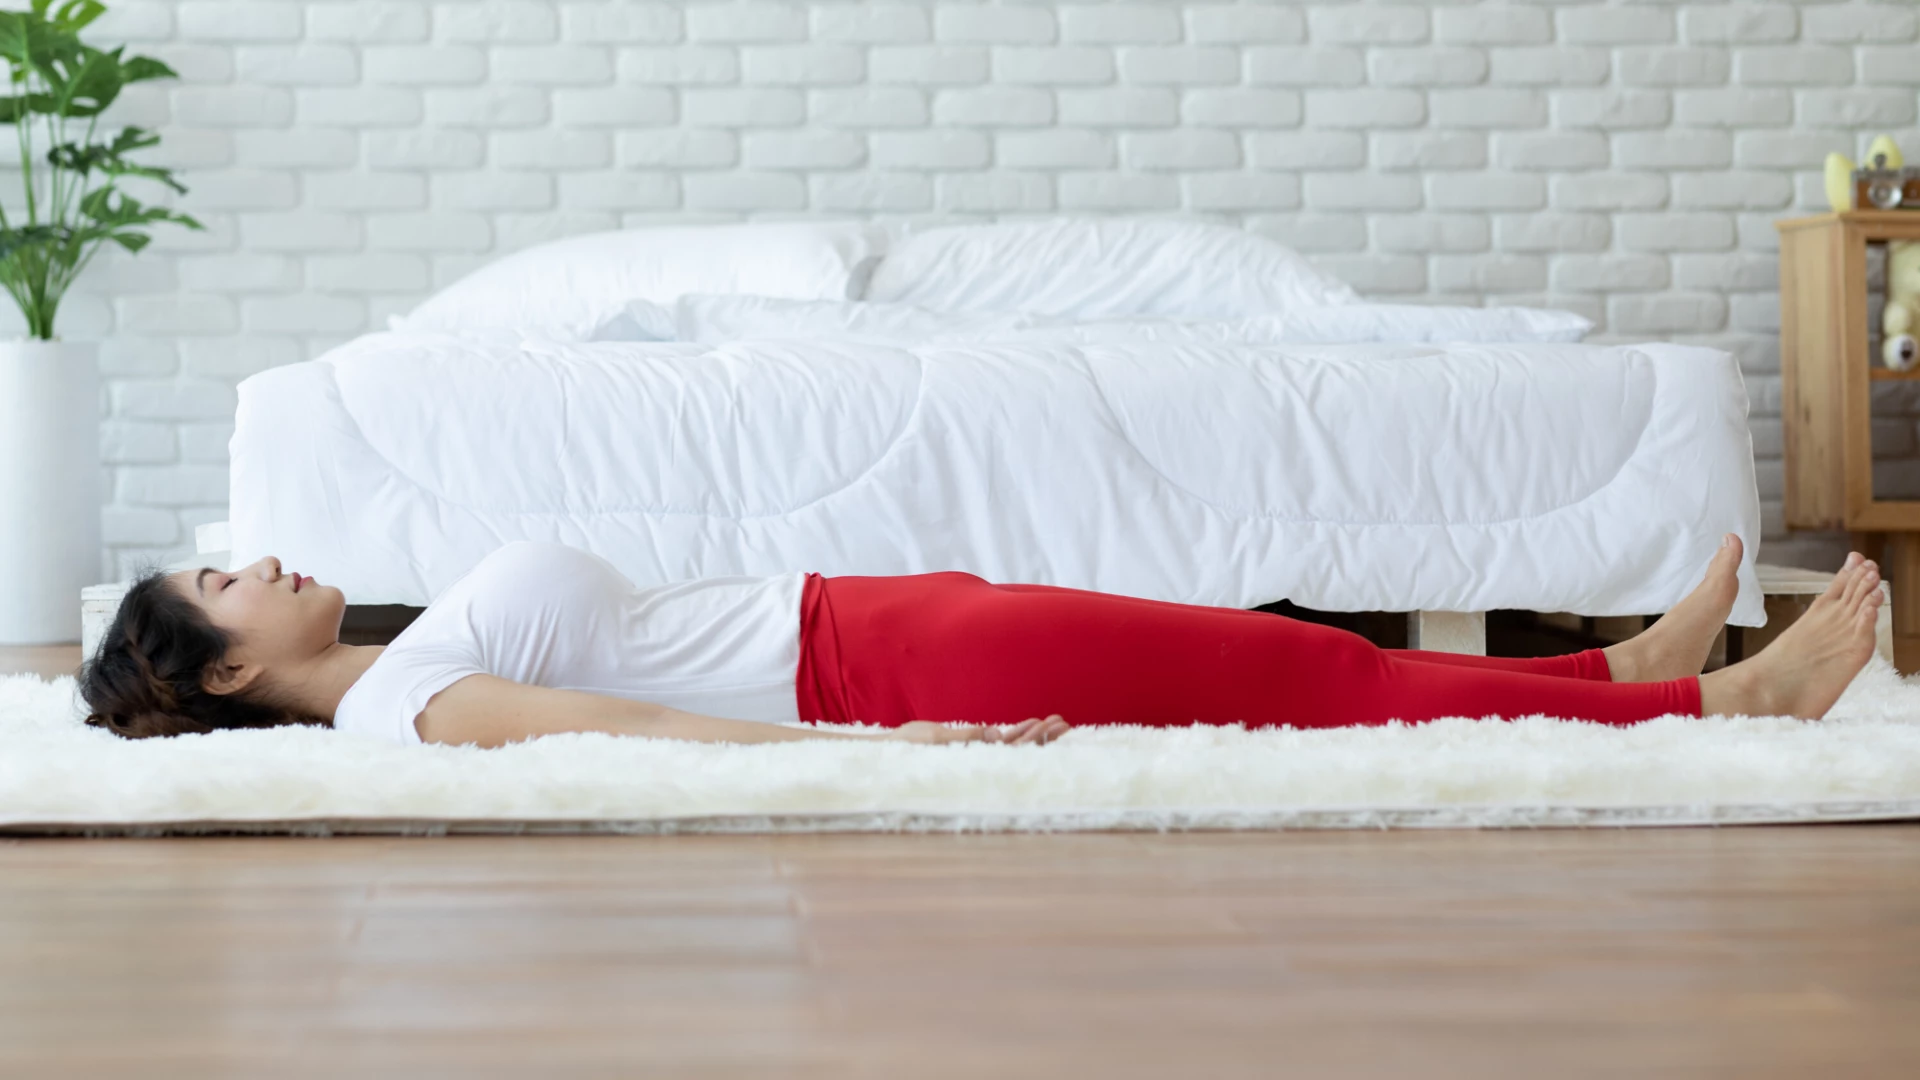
x,y
1448,631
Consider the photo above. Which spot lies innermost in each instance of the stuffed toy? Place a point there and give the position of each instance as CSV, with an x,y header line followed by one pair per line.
x,y
1901,319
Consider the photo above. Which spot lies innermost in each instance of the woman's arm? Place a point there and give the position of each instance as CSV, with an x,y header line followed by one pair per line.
x,y
489,711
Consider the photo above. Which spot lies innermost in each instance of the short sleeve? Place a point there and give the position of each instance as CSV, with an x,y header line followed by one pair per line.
x,y
388,698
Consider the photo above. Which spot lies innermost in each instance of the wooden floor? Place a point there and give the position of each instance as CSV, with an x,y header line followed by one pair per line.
x,y
1748,953
46,661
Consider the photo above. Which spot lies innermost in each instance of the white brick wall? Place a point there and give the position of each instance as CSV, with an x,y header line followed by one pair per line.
x,y
1625,160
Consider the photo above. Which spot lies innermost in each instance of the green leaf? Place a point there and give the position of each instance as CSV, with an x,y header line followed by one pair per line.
x,y
75,14
92,86
142,68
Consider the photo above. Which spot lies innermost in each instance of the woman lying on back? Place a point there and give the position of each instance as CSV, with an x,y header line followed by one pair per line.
x,y
541,638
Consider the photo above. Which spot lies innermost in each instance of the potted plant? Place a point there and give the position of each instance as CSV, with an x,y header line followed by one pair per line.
x,y
70,205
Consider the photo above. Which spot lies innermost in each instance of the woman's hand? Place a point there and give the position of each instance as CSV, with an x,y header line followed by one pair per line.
x,y
1036,730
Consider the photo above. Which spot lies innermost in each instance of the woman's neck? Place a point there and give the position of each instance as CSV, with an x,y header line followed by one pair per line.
x,y
317,688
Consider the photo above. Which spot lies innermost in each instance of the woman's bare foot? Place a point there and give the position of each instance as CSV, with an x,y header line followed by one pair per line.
x,y
1804,670
1677,645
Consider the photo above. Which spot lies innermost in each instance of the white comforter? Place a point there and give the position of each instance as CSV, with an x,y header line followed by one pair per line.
x,y
1178,462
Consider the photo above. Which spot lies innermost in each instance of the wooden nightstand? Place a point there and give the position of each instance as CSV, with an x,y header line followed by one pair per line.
x,y
1827,373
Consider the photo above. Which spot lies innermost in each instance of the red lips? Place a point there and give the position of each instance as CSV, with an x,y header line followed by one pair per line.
x,y
296,583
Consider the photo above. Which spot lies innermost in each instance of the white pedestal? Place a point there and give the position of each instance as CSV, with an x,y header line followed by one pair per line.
x,y
49,488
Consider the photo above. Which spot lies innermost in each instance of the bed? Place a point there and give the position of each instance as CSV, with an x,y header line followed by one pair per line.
x,y
1182,443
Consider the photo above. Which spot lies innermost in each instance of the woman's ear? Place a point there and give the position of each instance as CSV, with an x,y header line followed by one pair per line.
x,y
227,677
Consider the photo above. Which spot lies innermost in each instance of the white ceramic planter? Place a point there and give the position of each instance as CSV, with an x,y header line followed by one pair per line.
x,y
49,488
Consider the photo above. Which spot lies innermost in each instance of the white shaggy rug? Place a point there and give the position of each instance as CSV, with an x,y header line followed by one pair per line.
x,y
1862,763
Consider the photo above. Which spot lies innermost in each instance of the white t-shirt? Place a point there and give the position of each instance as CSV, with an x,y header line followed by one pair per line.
x,y
556,616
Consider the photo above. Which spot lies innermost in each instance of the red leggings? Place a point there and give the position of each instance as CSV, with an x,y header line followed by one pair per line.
x,y
950,646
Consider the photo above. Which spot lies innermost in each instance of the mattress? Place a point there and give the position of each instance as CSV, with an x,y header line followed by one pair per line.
x,y
1208,469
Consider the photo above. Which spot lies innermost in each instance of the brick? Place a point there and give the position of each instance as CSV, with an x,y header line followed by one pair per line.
x,y
422,65
872,23
136,22
933,149
1376,275
625,21
676,148
197,64
1306,150
1673,66
432,231
1666,314
1487,107
993,25
235,272
1054,148
620,190
1158,150
758,191
300,231
742,108
1362,191
1793,65
179,313
746,22
1241,107
171,399
1313,233
489,190
1492,24
552,65
358,107
289,149
1553,233
993,106
1117,192
614,106
368,22
1609,191
803,150
1169,65
1788,149
1427,66
1492,273
1368,108
1556,151
150,357
296,65
950,65
205,443
1612,109
1400,150
1317,67
802,65
872,193
1859,24
131,442
254,20
486,106
1381,24
550,150
517,21
1052,64
232,107
1240,191
1744,107
1753,312
1736,271
1486,191
685,65
1856,108
1614,25
1610,273
391,272
1675,232
1427,233
869,107
428,148
1120,24
1551,66
1119,107
1674,149
170,485
129,525
1732,191
1897,64
1740,23
994,192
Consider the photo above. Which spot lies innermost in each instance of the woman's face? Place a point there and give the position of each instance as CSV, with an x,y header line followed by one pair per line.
x,y
275,618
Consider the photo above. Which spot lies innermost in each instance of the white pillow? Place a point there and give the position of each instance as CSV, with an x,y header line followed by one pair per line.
x,y
1102,268
565,289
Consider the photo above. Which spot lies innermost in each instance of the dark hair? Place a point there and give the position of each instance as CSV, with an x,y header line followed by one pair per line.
x,y
145,679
